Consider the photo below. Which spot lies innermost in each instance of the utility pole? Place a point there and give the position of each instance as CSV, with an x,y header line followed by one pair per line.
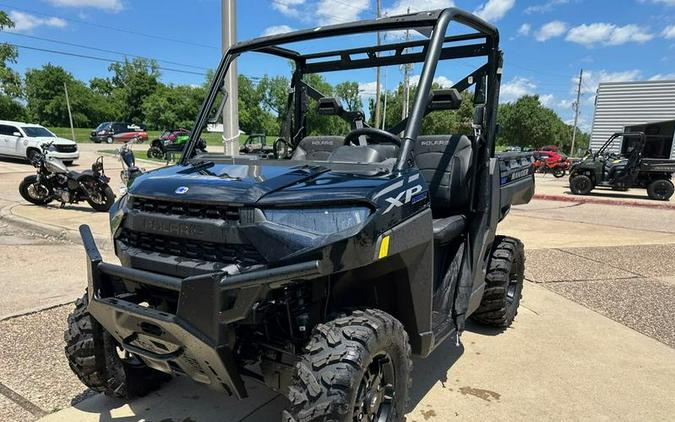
x,y
70,114
378,112
231,109
576,111
406,81
384,111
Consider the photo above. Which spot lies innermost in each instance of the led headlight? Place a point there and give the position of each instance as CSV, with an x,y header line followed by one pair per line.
x,y
318,220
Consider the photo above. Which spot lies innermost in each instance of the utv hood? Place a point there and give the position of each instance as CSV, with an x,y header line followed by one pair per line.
x,y
248,182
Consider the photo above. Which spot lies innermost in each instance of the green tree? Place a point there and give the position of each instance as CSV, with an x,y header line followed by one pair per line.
x,y
10,81
348,93
46,101
172,106
527,123
132,82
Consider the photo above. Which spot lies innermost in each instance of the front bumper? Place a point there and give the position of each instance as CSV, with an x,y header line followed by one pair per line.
x,y
194,341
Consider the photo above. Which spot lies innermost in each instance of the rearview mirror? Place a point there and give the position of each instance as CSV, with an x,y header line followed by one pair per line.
x,y
445,99
17,134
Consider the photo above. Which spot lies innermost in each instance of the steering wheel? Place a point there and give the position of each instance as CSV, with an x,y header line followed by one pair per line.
x,y
375,135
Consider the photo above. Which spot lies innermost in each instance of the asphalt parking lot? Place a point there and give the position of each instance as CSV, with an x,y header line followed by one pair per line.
x,y
594,338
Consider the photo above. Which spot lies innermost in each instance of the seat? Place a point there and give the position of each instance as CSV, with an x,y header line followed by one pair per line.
x,y
317,148
445,161
364,154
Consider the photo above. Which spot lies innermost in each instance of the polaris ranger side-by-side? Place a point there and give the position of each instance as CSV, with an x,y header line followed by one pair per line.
x,y
630,169
322,272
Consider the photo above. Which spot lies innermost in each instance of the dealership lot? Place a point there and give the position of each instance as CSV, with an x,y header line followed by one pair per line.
x,y
594,338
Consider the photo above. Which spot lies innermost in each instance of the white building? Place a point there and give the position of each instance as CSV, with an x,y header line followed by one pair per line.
x,y
647,106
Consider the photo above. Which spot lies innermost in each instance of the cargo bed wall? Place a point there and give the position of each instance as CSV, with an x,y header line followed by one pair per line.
x,y
516,179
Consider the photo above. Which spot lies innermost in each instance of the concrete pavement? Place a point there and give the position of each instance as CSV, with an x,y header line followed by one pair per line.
x,y
559,361
562,360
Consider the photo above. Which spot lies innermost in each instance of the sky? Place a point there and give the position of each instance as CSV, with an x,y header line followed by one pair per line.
x,y
545,42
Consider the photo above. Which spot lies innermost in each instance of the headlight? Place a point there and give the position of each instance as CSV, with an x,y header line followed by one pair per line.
x,y
319,220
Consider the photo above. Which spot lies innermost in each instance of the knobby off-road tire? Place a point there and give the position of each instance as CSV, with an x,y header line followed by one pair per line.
x,y
581,184
503,284
93,356
349,363
660,190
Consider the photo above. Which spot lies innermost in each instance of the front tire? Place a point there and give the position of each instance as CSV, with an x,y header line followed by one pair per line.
x,y
92,354
503,284
581,184
661,189
356,367
34,192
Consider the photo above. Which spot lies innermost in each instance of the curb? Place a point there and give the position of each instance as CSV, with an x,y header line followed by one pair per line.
x,y
601,201
59,232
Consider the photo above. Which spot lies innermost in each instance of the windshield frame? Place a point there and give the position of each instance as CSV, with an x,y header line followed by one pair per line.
x,y
434,50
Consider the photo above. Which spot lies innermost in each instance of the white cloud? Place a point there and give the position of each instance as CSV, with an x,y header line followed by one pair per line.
x,y
24,22
593,78
663,77
524,29
546,100
440,80
288,7
516,88
494,10
276,30
608,34
550,30
666,2
545,7
329,12
400,7
669,32
109,5
367,89
566,104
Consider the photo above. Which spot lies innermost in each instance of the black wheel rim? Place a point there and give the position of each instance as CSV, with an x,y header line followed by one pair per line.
x,y
376,393
661,189
512,288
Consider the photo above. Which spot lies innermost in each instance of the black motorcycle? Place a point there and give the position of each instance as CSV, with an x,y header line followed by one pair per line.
x,y
55,182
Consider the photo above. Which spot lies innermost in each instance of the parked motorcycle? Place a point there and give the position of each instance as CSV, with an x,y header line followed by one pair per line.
x,y
54,181
129,170
551,162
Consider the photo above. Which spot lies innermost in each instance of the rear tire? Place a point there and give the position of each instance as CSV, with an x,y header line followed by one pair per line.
x,y
661,189
581,184
558,173
109,140
503,284
360,359
92,355
107,199
29,181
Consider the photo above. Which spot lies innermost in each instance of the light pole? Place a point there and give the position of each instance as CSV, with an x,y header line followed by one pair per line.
x,y
231,109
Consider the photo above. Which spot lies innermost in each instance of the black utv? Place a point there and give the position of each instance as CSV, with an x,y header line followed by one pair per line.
x,y
633,167
322,272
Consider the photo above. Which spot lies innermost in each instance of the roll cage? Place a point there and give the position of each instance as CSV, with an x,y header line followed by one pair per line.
x,y
438,47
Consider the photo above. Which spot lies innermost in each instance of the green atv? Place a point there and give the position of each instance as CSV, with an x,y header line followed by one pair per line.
x,y
630,169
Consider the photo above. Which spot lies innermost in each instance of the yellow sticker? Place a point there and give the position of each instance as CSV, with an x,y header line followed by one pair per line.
x,y
384,247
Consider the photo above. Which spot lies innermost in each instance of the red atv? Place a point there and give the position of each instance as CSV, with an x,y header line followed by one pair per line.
x,y
548,160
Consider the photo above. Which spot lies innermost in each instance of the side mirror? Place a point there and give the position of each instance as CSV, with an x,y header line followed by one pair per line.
x,y
17,134
478,116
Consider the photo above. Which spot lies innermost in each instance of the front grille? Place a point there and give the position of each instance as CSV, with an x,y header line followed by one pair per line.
x,y
66,148
244,255
182,209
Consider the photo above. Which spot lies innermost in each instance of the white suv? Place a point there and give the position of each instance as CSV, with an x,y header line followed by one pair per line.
x,y
23,140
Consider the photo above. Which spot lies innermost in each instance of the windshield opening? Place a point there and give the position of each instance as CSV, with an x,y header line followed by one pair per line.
x,y
37,131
